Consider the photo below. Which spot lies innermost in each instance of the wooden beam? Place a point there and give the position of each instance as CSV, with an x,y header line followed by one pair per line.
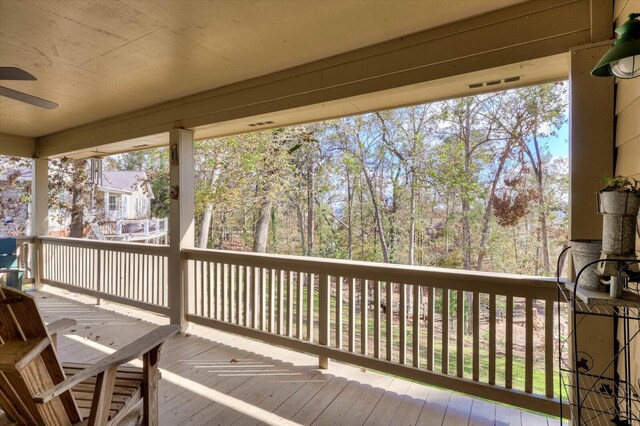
x,y
17,146
522,32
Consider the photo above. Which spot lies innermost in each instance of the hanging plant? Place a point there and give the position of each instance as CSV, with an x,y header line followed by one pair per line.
x,y
512,203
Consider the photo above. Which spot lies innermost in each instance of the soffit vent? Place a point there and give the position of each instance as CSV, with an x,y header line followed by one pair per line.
x,y
492,83
260,123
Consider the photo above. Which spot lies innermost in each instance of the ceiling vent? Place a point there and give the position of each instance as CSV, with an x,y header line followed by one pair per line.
x,y
492,83
260,123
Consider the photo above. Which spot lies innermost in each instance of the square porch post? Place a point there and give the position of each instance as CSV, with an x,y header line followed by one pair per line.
x,y
181,227
39,213
591,127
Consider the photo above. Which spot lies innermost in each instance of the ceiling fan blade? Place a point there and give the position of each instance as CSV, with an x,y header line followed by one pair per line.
x,y
23,97
13,73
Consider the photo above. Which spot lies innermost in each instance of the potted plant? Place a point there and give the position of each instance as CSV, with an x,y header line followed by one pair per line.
x,y
618,202
621,196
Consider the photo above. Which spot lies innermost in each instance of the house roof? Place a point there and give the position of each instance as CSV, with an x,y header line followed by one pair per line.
x,y
125,181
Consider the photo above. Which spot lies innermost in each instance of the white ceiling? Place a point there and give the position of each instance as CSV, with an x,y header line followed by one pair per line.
x,y
104,57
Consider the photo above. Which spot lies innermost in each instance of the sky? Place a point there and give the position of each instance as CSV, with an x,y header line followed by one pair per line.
x,y
559,144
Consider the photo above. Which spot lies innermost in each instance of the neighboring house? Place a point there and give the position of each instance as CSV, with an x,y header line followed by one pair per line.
x,y
123,208
124,195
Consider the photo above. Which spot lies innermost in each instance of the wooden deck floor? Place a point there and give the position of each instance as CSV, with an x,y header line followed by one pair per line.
x,y
214,378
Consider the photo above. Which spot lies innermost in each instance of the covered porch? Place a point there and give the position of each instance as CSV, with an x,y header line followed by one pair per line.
x,y
322,309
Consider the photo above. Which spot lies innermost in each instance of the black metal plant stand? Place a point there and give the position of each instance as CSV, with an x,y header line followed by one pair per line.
x,y
602,394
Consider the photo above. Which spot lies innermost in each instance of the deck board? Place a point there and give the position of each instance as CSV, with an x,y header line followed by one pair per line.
x,y
213,378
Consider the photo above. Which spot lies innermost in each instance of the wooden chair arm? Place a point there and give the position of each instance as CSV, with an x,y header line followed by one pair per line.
x,y
123,355
62,325
58,327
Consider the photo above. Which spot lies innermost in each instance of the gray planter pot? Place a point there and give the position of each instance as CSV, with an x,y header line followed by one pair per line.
x,y
619,220
583,252
618,203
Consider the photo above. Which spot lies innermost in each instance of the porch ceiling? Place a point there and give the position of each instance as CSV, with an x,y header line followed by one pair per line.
x,y
103,58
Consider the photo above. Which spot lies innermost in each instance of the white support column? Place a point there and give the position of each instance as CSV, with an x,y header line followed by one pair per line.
x,y
181,227
39,212
591,156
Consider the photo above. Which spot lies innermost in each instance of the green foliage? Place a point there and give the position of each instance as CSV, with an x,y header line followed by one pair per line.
x,y
428,185
621,184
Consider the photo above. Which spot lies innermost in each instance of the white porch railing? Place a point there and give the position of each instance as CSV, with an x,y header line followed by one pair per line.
x,y
132,274
364,314
488,335
133,227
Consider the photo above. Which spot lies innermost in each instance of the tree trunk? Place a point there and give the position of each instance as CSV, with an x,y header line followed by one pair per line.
x,y
310,204
377,216
487,211
77,214
206,219
466,228
206,225
303,243
262,227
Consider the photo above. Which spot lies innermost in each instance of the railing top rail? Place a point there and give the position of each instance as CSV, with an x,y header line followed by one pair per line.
x,y
441,277
114,245
25,239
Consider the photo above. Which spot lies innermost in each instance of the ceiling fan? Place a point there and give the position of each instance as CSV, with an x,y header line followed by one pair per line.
x,y
13,73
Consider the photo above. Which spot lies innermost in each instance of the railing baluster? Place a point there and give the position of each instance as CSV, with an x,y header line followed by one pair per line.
x,y
310,307
200,276
445,330
145,279
272,300
263,299
218,284
232,292
402,318
352,314
193,296
139,285
415,341
338,312
255,289
508,352
431,293
528,369
290,303
460,333
247,295
210,291
364,321
299,300
238,302
389,319
324,316
476,336
281,302
376,319
548,347
492,339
